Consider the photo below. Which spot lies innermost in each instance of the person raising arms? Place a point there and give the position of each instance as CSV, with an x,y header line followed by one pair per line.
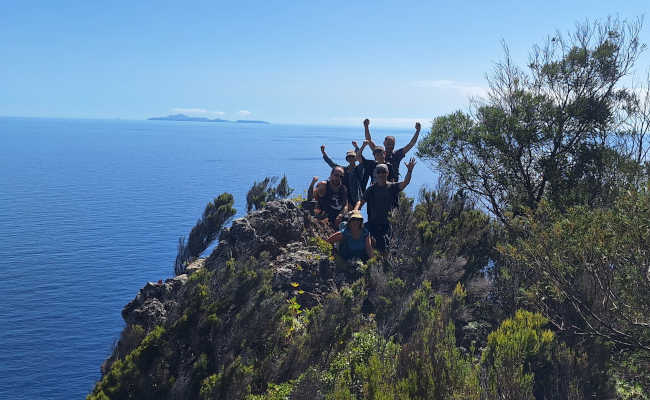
x,y
393,157
380,198
353,176
370,165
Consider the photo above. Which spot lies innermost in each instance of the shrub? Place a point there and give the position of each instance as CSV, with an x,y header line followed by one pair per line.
x,y
262,192
215,216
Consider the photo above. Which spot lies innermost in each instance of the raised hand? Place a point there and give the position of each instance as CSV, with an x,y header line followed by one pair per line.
x,y
354,144
322,148
410,164
366,123
417,127
314,180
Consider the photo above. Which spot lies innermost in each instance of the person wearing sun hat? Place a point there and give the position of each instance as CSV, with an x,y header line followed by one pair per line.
x,y
353,239
353,174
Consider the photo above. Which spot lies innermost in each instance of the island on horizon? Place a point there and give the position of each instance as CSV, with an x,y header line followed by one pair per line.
x,y
183,117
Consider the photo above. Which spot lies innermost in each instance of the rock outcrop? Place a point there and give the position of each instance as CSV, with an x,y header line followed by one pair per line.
x,y
249,303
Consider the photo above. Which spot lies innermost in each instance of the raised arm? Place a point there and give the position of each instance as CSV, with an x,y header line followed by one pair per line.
x,y
407,178
366,128
327,159
359,204
310,191
414,139
359,150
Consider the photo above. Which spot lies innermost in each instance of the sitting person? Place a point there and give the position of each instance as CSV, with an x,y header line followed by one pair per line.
x,y
332,197
354,239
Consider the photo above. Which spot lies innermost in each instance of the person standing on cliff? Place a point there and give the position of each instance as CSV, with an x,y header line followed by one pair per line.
x,y
370,165
353,176
393,157
332,197
380,198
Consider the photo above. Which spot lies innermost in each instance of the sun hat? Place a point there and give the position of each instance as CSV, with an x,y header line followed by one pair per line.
x,y
355,214
350,153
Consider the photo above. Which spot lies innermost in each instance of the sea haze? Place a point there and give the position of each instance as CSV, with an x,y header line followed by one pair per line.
x,y
90,210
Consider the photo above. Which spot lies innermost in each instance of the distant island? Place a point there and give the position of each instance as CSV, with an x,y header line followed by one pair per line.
x,y
183,117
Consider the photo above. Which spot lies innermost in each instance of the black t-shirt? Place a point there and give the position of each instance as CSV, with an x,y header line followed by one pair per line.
x,y
380,200
394,159
333,202
369,171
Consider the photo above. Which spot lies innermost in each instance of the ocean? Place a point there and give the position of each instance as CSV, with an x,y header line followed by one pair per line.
x,y
90,210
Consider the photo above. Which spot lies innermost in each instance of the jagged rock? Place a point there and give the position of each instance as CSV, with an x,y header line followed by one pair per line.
x,y
195,266
269,229
302,271
154,303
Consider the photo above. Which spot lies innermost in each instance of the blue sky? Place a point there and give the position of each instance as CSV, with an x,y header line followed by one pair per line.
x,y
333,63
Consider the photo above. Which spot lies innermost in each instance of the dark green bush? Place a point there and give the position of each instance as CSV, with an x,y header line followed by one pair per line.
x,y
262,192
215,216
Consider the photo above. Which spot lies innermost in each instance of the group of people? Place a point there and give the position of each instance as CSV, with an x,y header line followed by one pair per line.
x,y
341,197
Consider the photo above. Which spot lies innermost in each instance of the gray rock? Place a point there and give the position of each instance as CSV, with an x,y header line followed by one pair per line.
x,y
154,303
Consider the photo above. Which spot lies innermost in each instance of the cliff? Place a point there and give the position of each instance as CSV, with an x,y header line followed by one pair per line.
x,y
272,314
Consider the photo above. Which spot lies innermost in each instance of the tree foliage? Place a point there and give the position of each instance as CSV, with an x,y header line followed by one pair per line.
x,y
263,191
215,216
547,131
588,270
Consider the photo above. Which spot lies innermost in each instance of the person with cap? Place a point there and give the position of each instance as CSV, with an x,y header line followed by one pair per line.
x,y
332,197
353,174
392,156
370,165
380,198
353,239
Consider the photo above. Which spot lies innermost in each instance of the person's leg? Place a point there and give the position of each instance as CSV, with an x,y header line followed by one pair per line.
x,y
377,233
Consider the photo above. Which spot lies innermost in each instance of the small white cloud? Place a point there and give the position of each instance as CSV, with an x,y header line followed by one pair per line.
x,y
244,113
195,112
462,88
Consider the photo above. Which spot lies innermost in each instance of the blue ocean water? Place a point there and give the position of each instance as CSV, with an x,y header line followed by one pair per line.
x,y
90,210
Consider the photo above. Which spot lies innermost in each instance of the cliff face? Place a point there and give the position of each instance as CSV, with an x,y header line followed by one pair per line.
x,y
272,311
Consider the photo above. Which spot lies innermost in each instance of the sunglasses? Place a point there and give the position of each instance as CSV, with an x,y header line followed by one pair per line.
x,y
339,175
378,151
381,172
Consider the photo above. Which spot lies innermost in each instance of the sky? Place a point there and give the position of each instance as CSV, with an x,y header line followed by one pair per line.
x,y
329,63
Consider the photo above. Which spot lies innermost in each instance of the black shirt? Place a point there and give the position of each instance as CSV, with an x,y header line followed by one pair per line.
x,y
369,171
380,200
333,202
394,159
353,179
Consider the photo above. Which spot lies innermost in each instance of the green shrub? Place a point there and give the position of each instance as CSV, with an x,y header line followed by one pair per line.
x,y
263,192
215,216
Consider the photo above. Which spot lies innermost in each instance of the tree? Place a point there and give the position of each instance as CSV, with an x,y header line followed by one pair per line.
x,y
588,270
215,216
546,131
637,128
